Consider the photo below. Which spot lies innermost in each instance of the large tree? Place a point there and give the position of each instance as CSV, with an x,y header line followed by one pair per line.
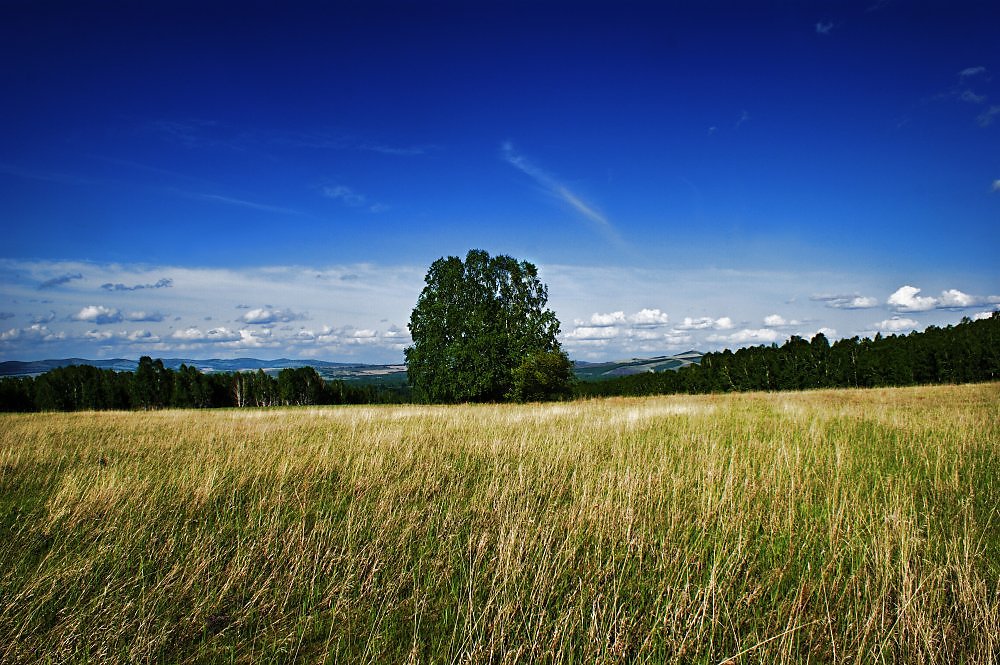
x,y
474,323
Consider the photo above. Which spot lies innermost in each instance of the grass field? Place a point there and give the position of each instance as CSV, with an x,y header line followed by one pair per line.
x,y
830,526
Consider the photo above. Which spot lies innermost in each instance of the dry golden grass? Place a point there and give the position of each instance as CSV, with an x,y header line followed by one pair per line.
x,y
830,526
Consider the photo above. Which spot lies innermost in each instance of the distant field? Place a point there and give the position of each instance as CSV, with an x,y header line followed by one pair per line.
x,y
829,526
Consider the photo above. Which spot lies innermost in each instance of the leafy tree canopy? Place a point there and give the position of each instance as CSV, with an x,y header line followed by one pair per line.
x,y
473,324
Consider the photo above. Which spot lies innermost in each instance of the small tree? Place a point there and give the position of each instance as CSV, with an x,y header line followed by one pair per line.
x,y
473,324
542,376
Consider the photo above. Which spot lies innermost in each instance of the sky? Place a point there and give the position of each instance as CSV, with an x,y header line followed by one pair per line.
x,y
218,180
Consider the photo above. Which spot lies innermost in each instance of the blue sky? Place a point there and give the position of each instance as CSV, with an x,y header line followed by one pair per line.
x,y
218,180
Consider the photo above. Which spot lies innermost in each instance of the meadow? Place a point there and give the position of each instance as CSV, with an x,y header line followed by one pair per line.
x,y
840,526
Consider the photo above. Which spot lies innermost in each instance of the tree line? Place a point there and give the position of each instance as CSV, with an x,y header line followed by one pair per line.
x,y
153,386
964,353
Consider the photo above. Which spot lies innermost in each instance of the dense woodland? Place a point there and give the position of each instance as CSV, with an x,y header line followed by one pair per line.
x,y
963,353
153,386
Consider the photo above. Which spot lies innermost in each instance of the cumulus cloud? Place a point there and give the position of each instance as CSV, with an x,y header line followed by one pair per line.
x,y
141,337
267,315
778,321
896,324
908,299
164,283
592,333
649,318
748,336
98,314
60,280
706,323
604,320
33,333
145,317
853,301
195,335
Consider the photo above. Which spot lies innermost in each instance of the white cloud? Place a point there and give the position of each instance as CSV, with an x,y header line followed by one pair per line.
x,y
908,299
955,298
265,315
99,335
778,321
610,319
979,316
748,336
996,186
853,301
559,191
985,119
649,317
971,71
896,324
353,199
213,336
705,323
98,314
142,336
824,27
144,317
590,333
33,333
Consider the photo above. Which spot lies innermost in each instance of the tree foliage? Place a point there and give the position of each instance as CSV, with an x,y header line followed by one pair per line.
x,y
153,386
542,376
473,324
964,353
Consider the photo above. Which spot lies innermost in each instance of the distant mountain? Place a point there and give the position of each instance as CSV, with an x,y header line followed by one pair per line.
x,y
330,371
608,370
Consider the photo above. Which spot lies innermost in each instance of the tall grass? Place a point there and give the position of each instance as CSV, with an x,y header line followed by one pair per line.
x,y
831,526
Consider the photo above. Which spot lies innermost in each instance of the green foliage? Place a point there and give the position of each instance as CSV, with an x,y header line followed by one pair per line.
x,y
474,322
964,353
153,386
542,376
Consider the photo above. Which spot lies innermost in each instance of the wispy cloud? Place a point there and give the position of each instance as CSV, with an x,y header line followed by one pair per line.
x,y
253,205
60,280
560,191
824,27
970,72
744,117
996,185
399,151
840,301
985,119
353,199
164,283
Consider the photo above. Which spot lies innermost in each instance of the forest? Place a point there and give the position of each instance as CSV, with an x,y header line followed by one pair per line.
x,y
964,353
153,386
